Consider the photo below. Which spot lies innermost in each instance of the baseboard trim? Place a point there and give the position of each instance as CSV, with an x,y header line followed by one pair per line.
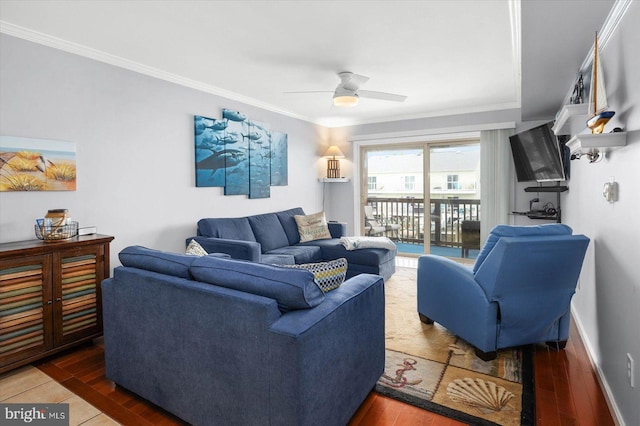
x,y
595,364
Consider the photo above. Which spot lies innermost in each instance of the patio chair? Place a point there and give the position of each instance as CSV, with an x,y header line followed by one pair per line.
x,y
470,235
373,227
393,228
518,292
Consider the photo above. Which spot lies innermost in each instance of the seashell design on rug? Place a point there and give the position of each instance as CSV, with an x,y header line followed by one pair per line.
x,y
481,394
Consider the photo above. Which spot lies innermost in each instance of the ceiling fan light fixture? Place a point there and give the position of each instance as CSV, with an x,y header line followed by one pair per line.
x,y
345,101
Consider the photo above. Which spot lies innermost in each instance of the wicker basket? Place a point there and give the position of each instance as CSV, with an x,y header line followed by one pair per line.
x,y
56,233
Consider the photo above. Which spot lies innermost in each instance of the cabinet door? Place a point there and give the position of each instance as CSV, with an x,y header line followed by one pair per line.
x,y
77,310
25,307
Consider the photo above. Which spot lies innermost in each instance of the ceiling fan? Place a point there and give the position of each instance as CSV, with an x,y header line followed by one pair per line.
x,y
348,91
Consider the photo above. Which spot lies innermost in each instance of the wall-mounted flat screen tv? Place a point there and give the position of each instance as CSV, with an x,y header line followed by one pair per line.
x,y
538,155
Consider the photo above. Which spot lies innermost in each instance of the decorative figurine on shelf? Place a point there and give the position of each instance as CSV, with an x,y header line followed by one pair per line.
x,y
578,91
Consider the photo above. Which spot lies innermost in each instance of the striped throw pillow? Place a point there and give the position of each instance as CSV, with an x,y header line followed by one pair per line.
x,y
328,275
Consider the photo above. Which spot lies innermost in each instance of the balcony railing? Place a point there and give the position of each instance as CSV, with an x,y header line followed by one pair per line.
x,y
447,216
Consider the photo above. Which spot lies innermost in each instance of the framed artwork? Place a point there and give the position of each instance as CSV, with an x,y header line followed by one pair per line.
x,y
279,159
259,139
239,154
28,164
209,150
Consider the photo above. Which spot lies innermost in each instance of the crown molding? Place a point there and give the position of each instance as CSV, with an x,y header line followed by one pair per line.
x,y
515,16
439,134
609,27
442,113
107,58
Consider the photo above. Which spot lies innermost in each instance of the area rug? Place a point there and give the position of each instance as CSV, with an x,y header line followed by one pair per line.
x,y
431,368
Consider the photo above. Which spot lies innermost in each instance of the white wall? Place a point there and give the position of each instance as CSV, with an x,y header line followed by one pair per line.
x,y
134,146
607,304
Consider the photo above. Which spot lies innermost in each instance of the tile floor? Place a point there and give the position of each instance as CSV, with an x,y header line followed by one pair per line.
x,y
412,261
406,262
30,385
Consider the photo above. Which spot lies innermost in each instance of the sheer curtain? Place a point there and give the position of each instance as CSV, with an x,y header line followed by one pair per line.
x,y
495,179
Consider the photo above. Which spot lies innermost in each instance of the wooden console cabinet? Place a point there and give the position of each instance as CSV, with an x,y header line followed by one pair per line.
x,y
50,296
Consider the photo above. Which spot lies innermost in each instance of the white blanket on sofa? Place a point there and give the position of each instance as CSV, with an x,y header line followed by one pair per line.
x,y
354,243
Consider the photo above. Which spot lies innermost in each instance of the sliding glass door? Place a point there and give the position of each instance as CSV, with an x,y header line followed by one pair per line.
x,y
394,189
441,220
454,199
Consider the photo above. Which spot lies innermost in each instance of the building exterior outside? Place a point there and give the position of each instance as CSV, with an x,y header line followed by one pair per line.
x,y
395,185
454,173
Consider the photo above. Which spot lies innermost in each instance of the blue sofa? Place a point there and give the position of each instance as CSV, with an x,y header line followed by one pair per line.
x,y
518,292
218,341
274,238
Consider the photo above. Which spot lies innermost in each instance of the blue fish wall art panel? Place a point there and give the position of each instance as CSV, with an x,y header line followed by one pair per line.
x,y
236,153
209,151
279,159
241,155
258,137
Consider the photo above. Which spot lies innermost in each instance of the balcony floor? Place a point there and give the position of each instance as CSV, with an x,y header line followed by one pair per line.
x,y
409,248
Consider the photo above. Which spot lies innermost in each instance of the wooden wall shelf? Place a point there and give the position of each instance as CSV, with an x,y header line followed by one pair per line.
x,y
602,141
571,119
334,180
555,188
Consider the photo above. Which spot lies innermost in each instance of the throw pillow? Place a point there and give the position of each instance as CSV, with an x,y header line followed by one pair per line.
x,y
328,275
195,249
312,227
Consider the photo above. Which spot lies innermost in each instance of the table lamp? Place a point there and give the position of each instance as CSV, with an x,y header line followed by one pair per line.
x,y
333,165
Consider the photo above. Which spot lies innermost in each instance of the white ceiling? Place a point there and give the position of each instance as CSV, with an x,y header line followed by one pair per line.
x,y
448,57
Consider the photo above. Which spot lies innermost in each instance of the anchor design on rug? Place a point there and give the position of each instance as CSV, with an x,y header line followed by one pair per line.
x,y
400,381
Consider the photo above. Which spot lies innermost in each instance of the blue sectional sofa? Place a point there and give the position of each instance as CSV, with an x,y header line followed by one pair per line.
x,y
274,238
219,341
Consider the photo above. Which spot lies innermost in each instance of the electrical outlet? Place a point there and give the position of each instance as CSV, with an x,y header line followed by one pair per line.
x,y
630,370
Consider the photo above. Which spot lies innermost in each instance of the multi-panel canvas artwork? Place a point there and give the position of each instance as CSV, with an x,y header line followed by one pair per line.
x,y
241,155
28,164
279,171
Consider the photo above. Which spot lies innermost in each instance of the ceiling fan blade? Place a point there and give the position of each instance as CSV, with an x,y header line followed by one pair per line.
x,y
312,91
381,95
351,81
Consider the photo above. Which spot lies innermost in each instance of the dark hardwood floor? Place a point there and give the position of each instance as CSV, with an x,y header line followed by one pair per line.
x,y
566,387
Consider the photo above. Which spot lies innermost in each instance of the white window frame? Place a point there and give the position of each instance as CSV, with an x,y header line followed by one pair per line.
x,y
409,182
453,182
372,183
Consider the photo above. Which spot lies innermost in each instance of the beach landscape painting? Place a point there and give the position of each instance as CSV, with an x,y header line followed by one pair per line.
x,y
28,164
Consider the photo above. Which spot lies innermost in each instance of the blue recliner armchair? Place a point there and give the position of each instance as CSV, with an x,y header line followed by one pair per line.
x,y
518,292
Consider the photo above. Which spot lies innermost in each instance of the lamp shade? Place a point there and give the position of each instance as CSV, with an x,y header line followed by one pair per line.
x,y
345,100
334,152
